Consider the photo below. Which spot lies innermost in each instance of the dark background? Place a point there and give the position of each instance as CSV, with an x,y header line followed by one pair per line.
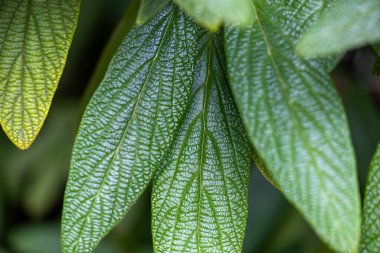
x,y
32,182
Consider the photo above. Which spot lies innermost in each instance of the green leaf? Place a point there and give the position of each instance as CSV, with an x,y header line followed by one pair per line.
x,y
149,9
128,126
370,239
213,13
200,195
296,17
376,47
376,66
34,41
348,24
297,126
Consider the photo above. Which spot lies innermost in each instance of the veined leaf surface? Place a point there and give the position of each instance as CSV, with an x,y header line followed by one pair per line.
x,y
200,194
148,9
35,37
296,17
213,13
370,239
348,24
297,126
128,126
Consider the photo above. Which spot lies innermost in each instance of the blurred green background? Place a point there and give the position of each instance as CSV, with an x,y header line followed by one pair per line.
x,y
32,182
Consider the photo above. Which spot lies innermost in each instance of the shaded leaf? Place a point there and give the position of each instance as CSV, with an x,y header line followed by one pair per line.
x,y
376,66
213,13
348,24
148,9
128,126
34,41
297,126
376,47
370,240
200,196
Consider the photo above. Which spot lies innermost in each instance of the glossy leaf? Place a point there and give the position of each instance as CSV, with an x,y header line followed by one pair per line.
x,y
370,240
213,13
148,9
128,126
349,24
34,41
200,196
297,126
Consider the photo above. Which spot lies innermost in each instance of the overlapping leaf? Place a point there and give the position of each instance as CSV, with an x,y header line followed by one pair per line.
x,y
200,195
370,239
128,126
150,8
349,24
34,40
296,123
376,47
295,17
212,13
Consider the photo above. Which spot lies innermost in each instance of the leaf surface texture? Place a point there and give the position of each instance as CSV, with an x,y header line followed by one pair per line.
x,y
200,196
34,41
370,239
296,124
348,24
128,126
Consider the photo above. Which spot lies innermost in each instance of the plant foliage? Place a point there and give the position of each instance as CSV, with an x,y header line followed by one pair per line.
x,y
370,239
34,41
194,92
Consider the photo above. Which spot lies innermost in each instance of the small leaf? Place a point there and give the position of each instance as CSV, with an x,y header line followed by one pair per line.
x,y
34,41
297,126
128,126
348,24
200,196
149,9
213,13
370,240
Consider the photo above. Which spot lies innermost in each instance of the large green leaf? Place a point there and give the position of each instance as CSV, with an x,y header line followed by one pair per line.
x,y
370,240
34,41
128,126
212,13
349,24
200,195
148,9
297,126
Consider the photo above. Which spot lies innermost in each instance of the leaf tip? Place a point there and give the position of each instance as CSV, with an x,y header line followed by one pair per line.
x,y
22,140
